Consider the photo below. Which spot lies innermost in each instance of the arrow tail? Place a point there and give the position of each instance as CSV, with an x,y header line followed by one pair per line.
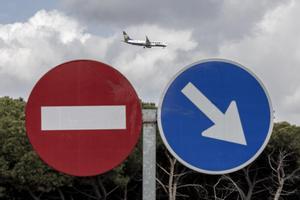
x,y
202,102
227,126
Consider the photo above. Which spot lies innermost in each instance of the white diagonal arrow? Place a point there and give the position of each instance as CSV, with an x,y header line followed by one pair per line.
x,y
227,126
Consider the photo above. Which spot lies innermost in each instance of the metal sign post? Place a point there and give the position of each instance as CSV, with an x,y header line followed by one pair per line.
x,y
149,154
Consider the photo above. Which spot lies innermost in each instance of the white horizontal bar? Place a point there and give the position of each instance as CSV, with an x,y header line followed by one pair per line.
x,y
83,117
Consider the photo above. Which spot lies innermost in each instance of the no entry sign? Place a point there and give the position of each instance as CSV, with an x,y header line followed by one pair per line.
x,y
83,118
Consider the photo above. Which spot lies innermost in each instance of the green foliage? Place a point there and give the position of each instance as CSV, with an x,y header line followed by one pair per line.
x,y
12,116
2,192
146,105
31,172
3,167
119,176
24,174
20,167
12,134
285,137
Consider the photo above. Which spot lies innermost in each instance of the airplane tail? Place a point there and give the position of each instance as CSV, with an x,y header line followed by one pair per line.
x,y
148,43
126,37
147,40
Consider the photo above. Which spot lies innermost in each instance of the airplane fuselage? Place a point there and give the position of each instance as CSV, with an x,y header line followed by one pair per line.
x,y
145,44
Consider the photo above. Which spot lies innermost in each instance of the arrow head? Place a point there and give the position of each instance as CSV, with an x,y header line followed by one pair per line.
x,y
228,128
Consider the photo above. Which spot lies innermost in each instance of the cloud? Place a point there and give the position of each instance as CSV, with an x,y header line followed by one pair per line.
x,y
273,53
261,35
149,69
49,38
211,21
29,49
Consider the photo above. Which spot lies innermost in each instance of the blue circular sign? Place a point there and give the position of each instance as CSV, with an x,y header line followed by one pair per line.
x,y
215,116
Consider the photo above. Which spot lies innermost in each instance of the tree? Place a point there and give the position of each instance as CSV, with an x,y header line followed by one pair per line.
x,y
274,174
173,179
259,180
24,175
284,160
245,184
281,175
20,166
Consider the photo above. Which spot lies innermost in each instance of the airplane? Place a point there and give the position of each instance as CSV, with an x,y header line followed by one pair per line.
x,y
145,43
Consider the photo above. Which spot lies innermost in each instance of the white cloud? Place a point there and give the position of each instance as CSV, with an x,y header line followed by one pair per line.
x,y
273,53
48,38
30,49
150,69
271,49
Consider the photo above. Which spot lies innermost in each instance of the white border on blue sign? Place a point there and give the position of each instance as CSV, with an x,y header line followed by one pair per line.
x,y
194,167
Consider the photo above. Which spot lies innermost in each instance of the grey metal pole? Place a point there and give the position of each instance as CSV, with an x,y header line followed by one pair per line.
x,y
149,154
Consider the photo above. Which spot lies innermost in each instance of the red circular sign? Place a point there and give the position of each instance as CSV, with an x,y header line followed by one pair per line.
x,y
83,118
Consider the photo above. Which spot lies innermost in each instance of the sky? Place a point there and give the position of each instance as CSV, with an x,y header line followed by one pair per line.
x,y
262,35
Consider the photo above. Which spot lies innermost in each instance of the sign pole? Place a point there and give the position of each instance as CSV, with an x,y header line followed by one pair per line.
x,y
149,154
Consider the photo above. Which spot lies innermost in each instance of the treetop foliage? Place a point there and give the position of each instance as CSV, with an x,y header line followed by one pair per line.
x,y
23,175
